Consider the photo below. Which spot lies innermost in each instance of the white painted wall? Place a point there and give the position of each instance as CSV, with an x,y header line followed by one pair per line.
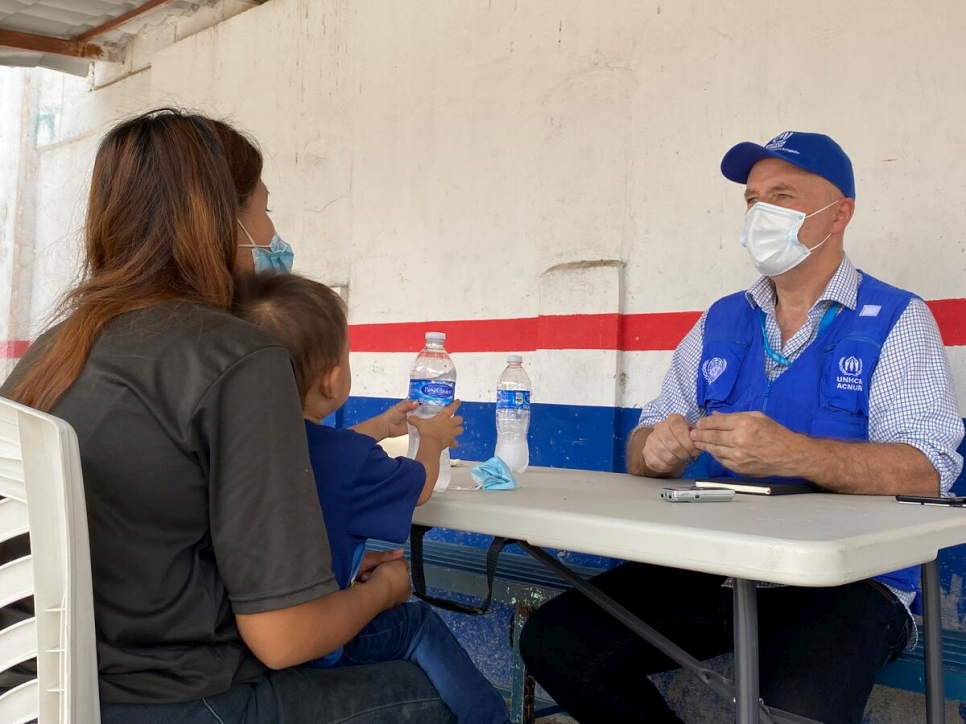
x,y
11,155
35,196
59,124
440,158
50,124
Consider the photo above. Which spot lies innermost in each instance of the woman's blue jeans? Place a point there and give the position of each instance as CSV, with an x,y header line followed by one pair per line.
x,y
414,632
389,693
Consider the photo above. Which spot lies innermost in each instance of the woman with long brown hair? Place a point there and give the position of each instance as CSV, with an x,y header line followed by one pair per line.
x,y
260,248
199,493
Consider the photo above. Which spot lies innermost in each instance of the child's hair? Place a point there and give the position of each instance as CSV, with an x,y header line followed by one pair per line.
x,y
307,317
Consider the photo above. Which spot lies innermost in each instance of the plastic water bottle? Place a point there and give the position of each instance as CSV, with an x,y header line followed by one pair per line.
x,y
513,415
432,383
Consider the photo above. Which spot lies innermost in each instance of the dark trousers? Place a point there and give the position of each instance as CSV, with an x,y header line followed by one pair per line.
x,y
820,649
392,693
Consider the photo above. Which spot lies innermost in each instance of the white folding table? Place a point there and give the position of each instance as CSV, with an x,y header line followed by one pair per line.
x,y
802,540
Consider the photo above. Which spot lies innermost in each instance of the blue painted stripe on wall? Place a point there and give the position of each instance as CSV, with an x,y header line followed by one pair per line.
x,y
579,437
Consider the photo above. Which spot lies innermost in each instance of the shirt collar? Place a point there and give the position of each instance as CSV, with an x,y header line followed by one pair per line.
x,y
842,288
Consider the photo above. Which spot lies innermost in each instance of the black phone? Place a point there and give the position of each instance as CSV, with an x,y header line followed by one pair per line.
x,y
958,501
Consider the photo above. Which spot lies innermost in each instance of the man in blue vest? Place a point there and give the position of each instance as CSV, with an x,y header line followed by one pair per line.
x,y
819,372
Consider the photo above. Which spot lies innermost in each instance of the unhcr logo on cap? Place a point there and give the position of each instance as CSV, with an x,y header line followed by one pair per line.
x,y
778,143
812,152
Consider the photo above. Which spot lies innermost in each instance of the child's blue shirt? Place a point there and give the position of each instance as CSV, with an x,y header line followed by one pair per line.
x,y
364,493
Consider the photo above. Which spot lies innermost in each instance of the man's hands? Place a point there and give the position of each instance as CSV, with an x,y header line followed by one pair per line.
x,y
669,447
750,443
747,443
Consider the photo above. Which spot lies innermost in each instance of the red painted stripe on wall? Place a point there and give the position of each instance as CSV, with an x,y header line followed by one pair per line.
x,y
951,317
483,335
571,331
13,348
625,332
662,331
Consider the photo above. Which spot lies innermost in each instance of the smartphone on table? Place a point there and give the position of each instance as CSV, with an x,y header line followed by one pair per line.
x,y
958,501
695,494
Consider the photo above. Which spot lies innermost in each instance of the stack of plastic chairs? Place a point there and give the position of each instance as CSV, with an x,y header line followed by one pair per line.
x,y
42,492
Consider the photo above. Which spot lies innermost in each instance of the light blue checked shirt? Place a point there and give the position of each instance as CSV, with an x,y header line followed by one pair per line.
x,y
911,395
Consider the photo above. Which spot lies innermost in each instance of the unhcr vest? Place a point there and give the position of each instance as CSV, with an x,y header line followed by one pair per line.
x,y
823,393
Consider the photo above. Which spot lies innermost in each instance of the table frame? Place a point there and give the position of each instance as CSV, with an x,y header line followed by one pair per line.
x,y
610,516
744,691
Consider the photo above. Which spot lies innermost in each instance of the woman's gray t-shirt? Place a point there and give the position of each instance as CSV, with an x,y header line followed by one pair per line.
x,y
200,497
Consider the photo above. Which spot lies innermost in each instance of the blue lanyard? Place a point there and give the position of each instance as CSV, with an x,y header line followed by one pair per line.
x,y
780,359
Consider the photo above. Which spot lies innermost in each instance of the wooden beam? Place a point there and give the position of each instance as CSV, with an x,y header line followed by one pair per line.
x,y
54,46
121,19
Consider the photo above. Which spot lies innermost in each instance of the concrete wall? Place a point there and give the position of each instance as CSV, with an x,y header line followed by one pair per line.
x,y
481,161
536,162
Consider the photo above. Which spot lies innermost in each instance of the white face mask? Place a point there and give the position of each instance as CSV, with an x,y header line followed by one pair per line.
x,y
771,237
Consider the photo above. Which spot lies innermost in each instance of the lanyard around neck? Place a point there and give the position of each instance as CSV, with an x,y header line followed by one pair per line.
x,y
777,357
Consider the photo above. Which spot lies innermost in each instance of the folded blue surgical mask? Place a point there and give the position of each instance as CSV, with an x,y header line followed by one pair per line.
x,y
771,237
277,256
494,474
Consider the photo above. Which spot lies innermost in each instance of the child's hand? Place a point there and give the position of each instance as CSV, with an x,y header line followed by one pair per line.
x,y
395,417
391,423
371,560
394,576
441,429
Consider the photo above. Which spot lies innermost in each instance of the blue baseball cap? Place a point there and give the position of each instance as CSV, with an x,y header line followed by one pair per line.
x,y
812,152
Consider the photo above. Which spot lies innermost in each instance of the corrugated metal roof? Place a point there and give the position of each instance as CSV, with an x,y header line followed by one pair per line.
x,y
68,19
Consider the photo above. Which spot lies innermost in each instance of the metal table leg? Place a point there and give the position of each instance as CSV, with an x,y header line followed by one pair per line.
x,y
746,652
712,679
750,709
933,644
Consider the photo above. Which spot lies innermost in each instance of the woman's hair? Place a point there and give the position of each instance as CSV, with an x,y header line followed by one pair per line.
x,y
160,227
244,161
307,317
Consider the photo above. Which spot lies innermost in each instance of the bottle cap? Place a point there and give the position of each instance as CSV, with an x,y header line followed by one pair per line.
x,y
514,358
436,336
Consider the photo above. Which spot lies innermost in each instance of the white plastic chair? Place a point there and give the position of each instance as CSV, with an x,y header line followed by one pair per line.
x,y
42,492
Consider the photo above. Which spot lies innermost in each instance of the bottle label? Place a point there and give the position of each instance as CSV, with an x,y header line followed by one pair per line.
x,y
432,392
512,400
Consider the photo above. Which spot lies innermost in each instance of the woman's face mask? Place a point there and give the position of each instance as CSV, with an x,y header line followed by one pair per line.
x,y
277,256
771,237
